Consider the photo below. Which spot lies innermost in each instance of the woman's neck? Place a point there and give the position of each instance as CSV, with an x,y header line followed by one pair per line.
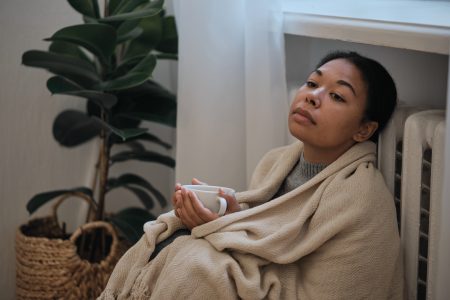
x,y
320,155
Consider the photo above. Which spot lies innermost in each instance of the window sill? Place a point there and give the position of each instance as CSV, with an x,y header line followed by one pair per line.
x,y
414,25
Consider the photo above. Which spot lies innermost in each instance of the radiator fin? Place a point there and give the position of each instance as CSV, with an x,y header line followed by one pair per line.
x,y
398,181
390,152
420,196
424,225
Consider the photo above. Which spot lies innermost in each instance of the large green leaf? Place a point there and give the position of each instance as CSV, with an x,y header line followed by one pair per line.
x,y
89,20
169,40
159,33
85,7
124,82
154,139
142,195
72,68
59,85
151,138
166,56
127,228
168,119
68,49
146,65
127,6
147,156
123,133
139,14
155,4
149,90
99,39
153,109
42,198
123,122
136,213
127,26
112,6
149,39
127,64
93,109
130,222
151,102
72,128
135,145
127,180
136,76
129,35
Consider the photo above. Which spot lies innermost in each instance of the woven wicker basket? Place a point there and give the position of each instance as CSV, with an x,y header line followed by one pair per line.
x,y
49,267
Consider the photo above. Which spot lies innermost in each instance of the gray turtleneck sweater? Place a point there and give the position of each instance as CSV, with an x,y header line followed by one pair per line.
x,y
301,173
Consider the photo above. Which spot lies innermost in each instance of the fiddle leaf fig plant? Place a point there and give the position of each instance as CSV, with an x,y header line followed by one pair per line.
x,y
107,61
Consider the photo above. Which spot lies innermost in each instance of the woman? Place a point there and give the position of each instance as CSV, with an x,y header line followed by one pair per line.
x,y
317,222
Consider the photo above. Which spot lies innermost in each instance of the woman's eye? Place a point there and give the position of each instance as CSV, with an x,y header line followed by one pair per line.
x,y
311,84
336,97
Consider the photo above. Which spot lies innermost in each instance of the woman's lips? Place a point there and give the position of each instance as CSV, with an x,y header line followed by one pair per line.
x,y
302,114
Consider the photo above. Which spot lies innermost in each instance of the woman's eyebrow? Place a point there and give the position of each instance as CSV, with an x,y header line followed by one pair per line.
x,y
345,83
341,82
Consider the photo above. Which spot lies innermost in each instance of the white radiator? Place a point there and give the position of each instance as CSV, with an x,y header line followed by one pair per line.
x,y
411,158
390,145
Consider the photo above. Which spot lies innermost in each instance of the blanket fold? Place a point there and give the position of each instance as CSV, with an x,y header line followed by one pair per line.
x,y
334,237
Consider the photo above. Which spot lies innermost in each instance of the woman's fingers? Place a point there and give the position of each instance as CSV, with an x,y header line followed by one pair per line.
x,y
202,212
191,211
177,188
232,204
198,182
185,219
177,202
188,209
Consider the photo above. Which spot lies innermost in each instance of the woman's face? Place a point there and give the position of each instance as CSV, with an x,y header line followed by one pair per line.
x,y
328,110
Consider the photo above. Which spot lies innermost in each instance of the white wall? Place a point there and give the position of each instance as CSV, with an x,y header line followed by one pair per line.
x,y
421,77
30,160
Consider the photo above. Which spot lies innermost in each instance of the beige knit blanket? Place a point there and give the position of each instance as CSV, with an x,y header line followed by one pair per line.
x,y
335,237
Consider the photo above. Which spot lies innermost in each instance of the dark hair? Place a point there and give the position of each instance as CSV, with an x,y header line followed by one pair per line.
x,y
381,91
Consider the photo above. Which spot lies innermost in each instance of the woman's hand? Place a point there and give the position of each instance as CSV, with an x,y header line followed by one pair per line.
x,y
191,211
178,187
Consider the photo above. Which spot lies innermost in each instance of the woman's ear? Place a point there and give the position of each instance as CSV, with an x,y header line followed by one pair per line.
x,y
366,130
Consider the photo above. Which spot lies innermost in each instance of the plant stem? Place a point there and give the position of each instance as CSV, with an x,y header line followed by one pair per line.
x,y
104,169
91,211
98,238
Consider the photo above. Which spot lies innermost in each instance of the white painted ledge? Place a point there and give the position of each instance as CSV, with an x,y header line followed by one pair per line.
x,y
413,24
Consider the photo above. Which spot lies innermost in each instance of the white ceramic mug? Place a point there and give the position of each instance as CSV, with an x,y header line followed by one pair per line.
x,y
209,196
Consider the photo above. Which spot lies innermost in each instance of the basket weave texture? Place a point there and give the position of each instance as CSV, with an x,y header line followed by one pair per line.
x,y
49,267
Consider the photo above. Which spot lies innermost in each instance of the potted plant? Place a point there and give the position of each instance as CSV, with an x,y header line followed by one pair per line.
x,y
108,61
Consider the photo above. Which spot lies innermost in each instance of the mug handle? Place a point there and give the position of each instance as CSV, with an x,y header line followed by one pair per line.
x,y
223,206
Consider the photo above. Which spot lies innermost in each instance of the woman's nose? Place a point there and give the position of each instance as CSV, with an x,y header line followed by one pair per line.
x,y
311,101
313,98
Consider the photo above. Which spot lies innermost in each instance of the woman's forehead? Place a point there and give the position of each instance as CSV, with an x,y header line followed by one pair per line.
x,y
342,69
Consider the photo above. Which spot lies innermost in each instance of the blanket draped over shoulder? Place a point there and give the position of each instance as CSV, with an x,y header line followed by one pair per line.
x,y
334,237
